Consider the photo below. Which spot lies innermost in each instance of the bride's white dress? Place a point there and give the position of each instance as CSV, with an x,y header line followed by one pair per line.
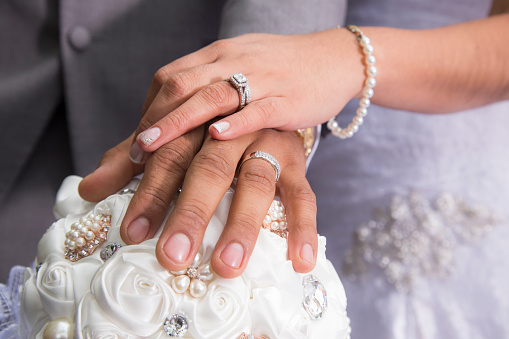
x,y
415,207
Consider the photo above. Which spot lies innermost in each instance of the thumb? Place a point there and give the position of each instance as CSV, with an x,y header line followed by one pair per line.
x,y
115,170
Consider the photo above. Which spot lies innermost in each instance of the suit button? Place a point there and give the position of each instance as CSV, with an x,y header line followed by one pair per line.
x,y
79,37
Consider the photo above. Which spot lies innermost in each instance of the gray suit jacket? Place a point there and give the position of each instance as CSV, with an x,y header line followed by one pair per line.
x,y
74,75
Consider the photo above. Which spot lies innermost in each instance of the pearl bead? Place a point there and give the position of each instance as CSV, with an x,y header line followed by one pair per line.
x,y
368,92
180,283
74,226
60,328
95,227
91,216
66,242
364,102
89,235
372,71
368,49
72,245
197,288
74,235
362,111
370,82
364,40
83,231
97,218
274,225
358,120
82,220
80,242
370,60
267,219
88,223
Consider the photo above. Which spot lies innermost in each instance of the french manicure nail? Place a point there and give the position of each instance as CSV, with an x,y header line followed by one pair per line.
x,y
149,136
233,254
306,253
136,154
177,247
221,126
138,229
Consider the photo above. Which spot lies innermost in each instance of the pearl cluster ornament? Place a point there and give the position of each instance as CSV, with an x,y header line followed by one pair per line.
x,y
275,220
193,278
367,91
85,235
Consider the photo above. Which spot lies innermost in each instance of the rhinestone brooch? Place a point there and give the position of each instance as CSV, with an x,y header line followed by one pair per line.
x,y
86,235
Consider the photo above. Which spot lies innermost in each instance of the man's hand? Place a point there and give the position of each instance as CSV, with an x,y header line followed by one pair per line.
x,y
209,174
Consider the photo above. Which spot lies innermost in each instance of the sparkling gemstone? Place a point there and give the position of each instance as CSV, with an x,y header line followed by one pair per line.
x,y
176,326
109,250
192,272
315,297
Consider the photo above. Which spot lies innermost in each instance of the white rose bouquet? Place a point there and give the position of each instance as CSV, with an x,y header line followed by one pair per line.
x,y
101,288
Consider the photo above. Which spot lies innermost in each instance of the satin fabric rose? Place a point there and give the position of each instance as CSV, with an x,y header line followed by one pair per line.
x,y
131,292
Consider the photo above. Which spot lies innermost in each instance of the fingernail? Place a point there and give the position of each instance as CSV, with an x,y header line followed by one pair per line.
x,y
233,254
221,126
149,136
138,229
306,253
177,247
136,154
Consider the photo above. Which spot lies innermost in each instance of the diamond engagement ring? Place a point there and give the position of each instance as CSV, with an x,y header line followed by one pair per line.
x,y
267,157
241,84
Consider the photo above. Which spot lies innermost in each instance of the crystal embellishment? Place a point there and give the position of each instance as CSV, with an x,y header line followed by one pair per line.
x,y
416,238
315,297
109,250
176,326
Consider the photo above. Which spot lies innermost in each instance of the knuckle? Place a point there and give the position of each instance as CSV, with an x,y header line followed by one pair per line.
x,y
160,76
304,194
247,223
193,215
155,197
178,85
221,46
174,157
265,109
215,164
217,95
259,176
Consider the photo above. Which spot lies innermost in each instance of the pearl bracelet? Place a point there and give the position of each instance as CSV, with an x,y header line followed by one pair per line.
x,y
367,91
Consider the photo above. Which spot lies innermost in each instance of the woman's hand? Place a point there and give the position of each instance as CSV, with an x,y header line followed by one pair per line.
x,y
292,80
209,174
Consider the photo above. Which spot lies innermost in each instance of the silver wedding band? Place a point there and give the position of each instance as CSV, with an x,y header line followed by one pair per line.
x,y
267,157
241,84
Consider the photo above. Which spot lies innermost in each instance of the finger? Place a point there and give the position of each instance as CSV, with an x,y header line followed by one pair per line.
x,y
254,193
173,92
300,203
265,113
114,171
219,98
164,173
203,56
208,178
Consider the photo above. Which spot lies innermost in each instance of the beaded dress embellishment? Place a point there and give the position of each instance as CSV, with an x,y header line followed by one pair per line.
x,y
416,238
